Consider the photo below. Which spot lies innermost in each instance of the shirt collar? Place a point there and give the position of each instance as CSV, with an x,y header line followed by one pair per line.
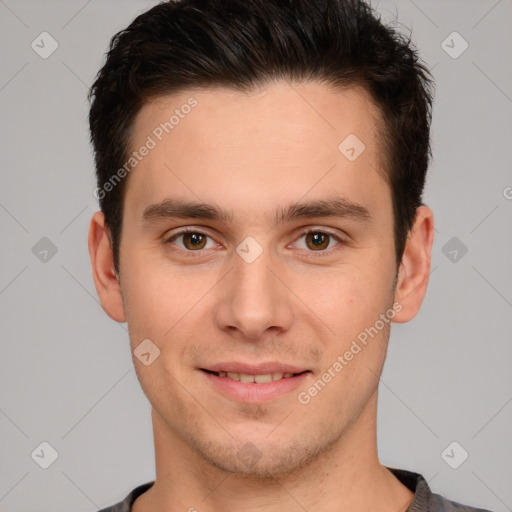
x,y
413,481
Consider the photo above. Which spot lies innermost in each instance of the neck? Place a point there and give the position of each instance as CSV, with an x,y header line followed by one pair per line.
x,y
346,476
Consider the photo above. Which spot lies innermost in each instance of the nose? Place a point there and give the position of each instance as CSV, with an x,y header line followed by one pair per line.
x,y
254,300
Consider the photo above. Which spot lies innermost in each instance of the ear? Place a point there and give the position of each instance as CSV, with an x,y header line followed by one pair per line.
x,y
414,270
103,270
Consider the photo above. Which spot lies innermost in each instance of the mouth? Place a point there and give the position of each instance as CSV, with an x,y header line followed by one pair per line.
x,y
254,386
263,378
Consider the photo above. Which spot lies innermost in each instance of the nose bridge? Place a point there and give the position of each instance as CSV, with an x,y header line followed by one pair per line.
x,y
254,299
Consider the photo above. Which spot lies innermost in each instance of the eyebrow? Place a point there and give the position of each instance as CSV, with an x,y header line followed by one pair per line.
x,y
171,208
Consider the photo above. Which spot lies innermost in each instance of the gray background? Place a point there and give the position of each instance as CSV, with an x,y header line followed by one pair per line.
x,y
66,374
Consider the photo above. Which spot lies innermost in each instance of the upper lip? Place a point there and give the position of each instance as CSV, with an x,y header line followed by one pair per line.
x,y
252,369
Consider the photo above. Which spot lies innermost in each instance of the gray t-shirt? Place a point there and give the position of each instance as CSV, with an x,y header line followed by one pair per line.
x,y
424,500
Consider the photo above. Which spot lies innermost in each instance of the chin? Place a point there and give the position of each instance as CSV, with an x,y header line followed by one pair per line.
x,y
259,458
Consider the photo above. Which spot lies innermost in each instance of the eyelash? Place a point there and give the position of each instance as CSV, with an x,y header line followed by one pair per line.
x,y
320,253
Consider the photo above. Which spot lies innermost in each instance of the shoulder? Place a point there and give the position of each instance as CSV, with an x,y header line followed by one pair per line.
x,y
126,504
424,499
439,503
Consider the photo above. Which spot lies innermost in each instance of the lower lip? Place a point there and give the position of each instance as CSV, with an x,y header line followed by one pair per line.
x,y
251,391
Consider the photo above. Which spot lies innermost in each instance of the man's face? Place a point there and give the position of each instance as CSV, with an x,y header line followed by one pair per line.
x,y
281,296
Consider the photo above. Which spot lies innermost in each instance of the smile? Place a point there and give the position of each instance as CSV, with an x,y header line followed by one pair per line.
x,y
254,388
258,379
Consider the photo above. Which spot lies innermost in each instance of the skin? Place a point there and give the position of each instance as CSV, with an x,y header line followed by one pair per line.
x,y
253,154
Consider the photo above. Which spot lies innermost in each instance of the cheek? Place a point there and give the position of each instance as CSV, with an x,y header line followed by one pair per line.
x,y
351,306
159,297
347,300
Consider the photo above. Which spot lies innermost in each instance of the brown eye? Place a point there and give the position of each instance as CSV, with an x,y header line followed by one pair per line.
x,y
316,240
320,241
194,241
191,240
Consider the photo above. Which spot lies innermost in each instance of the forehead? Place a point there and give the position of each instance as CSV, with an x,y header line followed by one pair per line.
x,y
282,138
309,111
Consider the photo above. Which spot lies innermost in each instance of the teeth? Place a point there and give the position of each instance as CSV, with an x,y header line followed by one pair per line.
x,y
258,379
262,379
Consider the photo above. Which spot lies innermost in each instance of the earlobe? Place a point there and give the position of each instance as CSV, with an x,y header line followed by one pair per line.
x,y
414,271
103,270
